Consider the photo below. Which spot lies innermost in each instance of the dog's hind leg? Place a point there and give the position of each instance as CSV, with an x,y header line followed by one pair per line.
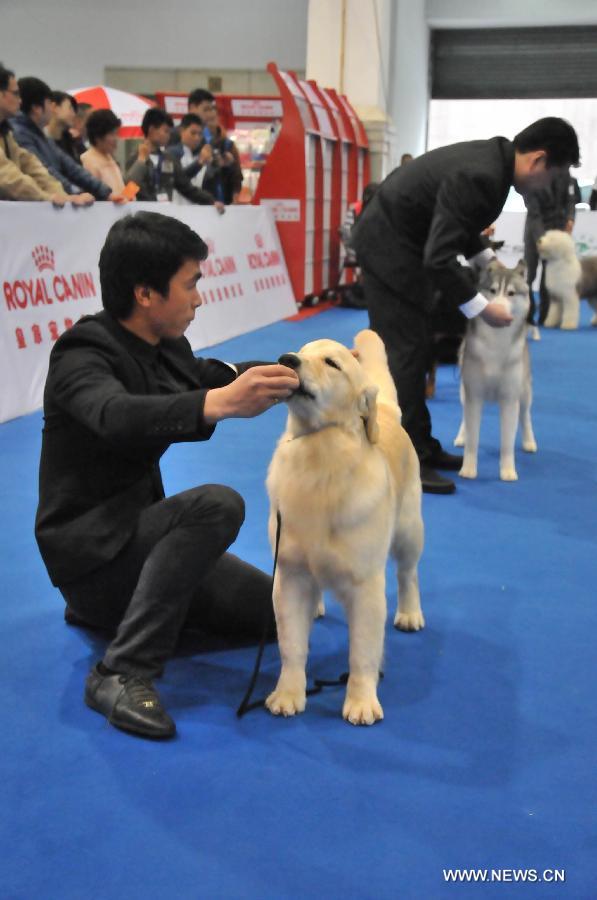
x,y
509,413
296,595
365,605
407,547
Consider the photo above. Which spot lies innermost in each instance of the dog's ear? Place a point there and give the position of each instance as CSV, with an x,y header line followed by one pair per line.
x,y
521,268
368,411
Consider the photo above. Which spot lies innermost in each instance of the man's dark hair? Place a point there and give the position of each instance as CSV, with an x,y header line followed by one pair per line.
x,y
59,97
556,136
100,123
155,117
144,249
190,119
33,93
5,76
199,95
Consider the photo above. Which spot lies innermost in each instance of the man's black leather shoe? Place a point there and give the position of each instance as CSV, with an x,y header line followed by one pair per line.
x,y
128,702
442,460
434,483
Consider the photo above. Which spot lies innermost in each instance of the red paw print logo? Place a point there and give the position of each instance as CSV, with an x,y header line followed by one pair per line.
x,y
43,257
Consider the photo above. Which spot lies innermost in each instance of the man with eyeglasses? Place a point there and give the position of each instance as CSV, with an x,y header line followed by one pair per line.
x,y
22,175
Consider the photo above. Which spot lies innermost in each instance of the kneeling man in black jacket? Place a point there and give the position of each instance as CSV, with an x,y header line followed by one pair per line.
x,y
122,386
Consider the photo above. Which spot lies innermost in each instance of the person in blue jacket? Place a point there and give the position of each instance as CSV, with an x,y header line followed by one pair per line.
x,y
37,104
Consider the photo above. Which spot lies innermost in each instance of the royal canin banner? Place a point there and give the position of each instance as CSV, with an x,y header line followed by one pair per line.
x,y
49,277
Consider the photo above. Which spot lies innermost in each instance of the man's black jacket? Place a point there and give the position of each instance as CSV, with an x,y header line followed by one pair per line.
x,y
106,427
431,210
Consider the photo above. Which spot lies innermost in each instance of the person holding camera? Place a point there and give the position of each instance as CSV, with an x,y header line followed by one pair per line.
x,y
224,176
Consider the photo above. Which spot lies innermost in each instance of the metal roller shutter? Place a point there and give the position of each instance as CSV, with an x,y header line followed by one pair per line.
x,y
514,63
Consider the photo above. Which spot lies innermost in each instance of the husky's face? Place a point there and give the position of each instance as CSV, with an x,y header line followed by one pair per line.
x,y
508,285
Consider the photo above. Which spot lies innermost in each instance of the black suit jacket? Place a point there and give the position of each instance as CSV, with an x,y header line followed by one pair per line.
x,y
105,428
430,211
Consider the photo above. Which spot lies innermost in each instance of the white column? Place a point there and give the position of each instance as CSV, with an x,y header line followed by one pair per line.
x,y
349,48
409,77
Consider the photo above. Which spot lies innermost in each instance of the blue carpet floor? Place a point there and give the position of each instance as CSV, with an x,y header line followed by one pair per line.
x,y
485,760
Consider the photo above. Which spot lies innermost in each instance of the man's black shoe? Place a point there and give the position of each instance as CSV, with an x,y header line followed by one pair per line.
x,y
434,483
442,460
128,702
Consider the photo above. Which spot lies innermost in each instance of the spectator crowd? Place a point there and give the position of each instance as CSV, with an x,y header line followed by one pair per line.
x,y
55,149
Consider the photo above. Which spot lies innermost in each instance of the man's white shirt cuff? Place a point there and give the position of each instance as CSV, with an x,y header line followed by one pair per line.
x,y
475,306
483,258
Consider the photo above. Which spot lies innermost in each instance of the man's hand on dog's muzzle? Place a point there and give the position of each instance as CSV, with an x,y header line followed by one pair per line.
x,y
252,393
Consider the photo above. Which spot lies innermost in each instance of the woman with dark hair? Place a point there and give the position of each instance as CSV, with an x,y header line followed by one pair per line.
x,y
102,132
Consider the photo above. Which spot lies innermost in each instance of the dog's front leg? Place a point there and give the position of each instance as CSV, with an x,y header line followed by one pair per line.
x,y
365,605
570,311
472,426
296,596
509,413
554,313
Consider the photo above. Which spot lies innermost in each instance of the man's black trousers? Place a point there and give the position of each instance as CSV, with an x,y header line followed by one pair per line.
x,y
174,575
405,329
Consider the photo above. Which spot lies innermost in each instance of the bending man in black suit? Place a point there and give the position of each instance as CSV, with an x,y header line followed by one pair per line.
x,y
422,217
122,386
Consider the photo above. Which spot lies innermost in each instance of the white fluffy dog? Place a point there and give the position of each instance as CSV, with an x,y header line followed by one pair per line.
x,y
345,479
496,366
562,276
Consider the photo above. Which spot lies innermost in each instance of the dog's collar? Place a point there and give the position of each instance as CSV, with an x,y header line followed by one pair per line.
x,y
318,430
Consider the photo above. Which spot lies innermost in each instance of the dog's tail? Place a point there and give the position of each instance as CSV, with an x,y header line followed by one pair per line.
x,y
373,359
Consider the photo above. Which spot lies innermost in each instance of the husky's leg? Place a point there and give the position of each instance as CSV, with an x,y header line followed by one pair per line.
x,y
472,425
406,549
526,427
296,596
460,439
570,310
509,412
365,605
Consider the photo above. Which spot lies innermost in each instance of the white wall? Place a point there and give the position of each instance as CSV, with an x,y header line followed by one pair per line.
x,y
68,42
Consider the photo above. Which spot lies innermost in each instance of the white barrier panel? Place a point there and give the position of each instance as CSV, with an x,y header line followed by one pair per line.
x,y
510,228
49,276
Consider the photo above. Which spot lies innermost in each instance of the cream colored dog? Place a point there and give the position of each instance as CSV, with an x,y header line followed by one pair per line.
x,y
562,276
345,480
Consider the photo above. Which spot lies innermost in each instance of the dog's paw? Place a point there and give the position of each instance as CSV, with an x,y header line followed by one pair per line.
x,y
533,333
362,712
286,703
412,621
508,473
529,446
459,440
468,470
568,326
320,611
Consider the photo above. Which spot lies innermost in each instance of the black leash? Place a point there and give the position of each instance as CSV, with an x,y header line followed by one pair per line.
x,y
319,684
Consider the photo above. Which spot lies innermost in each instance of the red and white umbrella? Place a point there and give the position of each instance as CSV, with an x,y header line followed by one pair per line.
x,y
130,108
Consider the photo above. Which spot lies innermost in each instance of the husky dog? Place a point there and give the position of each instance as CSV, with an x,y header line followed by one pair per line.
x,y
496,367
562,275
